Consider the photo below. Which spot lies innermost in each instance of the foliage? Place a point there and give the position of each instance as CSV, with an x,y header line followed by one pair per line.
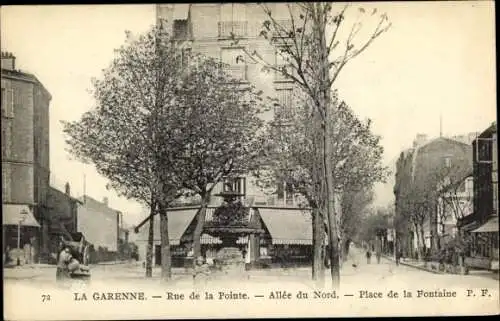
x,y
166,124
134,112
375,224
354,208
230,214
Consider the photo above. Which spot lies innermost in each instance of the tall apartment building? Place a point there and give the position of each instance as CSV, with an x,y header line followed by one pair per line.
x,y
25,157
206,28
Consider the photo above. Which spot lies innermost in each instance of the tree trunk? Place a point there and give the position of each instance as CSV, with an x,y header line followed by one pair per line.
x,y
318,240
149,251
419,242
422,238
166,259
330,198
200,223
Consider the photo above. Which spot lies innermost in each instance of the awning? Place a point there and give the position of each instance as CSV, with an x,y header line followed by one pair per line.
x,y
208,239
288,226
12,214
490,226
178,221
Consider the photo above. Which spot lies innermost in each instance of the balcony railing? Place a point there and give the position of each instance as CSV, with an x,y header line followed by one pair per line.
x,y
238,28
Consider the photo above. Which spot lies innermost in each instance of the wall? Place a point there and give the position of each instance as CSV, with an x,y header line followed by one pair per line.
x,y
98,223
18,166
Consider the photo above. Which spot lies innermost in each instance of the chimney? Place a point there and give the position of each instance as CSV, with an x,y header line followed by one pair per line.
x,y
67,189
105,201
472,137
420,140
8,61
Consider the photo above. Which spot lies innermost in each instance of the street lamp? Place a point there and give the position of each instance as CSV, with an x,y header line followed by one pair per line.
x,y
22,217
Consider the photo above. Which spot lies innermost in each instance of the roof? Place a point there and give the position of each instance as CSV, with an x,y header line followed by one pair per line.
x,y
490,226
288,226
489,131
418,148
88,201
61,193
178,221
24,76
13,213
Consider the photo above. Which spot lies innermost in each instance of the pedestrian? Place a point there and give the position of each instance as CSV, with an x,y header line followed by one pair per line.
x,y
62,271
201,272
378,255
398,256
368,256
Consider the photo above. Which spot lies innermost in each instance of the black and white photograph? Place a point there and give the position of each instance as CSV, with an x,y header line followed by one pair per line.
x,y
230,160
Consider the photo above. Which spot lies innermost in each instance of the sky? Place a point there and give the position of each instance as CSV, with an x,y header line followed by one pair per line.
x,y
437,60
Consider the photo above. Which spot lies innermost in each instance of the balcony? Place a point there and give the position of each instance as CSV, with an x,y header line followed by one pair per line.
x,y
238,28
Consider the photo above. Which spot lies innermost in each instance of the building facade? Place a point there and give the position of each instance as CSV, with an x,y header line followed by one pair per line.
x,y
25,157
207,28
62,218
100,225
455,201
423,167
284,236
483,225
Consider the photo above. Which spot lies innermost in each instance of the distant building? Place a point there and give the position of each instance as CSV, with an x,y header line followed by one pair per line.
x,y
62,218
25,157
426,165
100,224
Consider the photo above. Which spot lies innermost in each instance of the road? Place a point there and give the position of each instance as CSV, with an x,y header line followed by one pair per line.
x,y
355,273
365,291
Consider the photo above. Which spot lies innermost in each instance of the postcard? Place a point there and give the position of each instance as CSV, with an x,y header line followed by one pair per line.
x,y
249,160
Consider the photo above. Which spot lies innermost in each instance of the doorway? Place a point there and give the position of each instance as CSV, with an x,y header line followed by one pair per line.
x,y
157,255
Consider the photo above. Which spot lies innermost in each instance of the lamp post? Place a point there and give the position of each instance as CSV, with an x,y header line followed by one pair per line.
x,y
22,217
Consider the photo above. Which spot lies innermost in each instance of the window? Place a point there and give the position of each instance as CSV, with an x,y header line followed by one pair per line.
x,y
6,180
180,29
484,153
185,57
7,139
233,60
281,62
233,20
495,198
7,102
447,161
285,108
236,185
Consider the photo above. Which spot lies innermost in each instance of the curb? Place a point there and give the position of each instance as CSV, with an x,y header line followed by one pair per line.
x,y
416,267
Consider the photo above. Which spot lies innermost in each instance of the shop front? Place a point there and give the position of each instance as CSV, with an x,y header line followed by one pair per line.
x,y
20,231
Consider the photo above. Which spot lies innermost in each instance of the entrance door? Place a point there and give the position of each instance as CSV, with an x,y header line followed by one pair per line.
x,y
157,254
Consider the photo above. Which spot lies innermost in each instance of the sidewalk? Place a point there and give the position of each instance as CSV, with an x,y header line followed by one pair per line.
x,y
422,266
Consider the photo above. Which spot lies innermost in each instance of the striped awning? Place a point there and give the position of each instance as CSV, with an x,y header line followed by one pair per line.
x,y
14,214
288,226
208,239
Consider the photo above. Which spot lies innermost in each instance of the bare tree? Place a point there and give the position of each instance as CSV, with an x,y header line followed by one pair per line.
x,y
315,51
